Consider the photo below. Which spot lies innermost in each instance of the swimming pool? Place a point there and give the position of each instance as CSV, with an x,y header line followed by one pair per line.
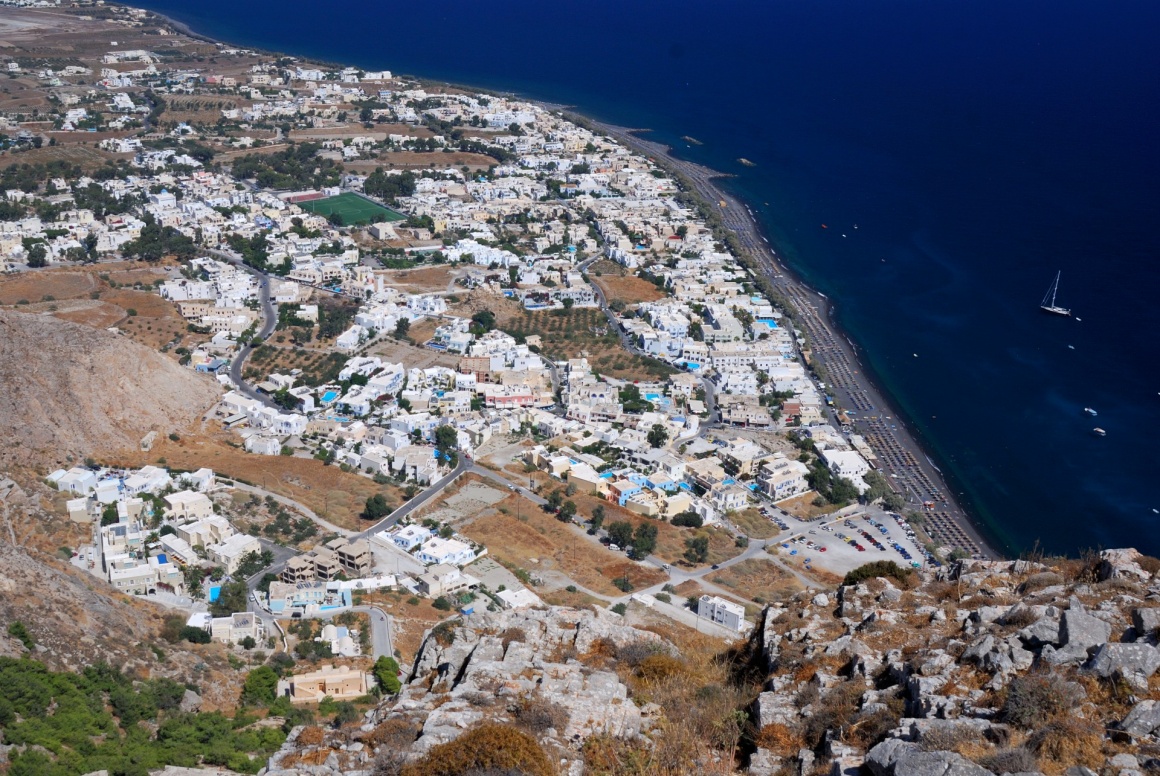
x,y
329,396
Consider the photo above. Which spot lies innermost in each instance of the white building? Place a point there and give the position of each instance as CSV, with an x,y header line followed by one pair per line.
x,y
722,612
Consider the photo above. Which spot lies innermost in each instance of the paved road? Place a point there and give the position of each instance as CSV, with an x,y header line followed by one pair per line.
x,y
465,464
269,321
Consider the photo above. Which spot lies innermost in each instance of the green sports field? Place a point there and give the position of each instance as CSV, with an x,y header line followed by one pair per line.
x,y
353,209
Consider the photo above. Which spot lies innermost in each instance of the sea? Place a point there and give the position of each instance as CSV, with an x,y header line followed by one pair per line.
x,y
960,154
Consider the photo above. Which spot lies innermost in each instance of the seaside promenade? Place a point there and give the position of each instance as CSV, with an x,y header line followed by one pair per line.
x,y
900,457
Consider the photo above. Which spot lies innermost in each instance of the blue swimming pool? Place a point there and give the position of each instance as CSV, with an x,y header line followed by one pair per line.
x,y
329,396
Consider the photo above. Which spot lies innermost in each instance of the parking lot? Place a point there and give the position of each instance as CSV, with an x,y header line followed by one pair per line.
x,y
850,538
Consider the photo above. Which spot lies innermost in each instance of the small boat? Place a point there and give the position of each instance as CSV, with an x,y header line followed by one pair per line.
x,y
1071,347
1090,411
825,227
1050,306
1099,431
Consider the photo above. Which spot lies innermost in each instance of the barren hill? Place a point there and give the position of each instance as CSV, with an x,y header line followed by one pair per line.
x,y
67,389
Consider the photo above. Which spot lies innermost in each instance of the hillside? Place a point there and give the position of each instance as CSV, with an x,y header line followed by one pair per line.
x,y
985,668
71,390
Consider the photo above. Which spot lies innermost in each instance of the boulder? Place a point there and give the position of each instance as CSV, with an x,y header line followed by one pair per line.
x,y
882,758
1122,564
190,701
1135,663
902,758
1083,630
1145,621
1045,631
1142,720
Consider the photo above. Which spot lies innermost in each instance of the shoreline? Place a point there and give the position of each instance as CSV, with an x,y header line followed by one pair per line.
x,y
901,455
949,523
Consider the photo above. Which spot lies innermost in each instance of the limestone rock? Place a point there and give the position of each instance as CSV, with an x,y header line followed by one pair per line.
x,y
1134,662
1142,720
1122,564
1083,630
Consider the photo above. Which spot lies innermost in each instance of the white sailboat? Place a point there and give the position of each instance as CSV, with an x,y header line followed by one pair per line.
x,y
1048,304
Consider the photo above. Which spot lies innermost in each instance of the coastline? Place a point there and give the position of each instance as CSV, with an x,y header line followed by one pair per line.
x,y
900,451
901,456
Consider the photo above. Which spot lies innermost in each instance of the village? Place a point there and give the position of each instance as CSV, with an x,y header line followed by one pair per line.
x,y
442,293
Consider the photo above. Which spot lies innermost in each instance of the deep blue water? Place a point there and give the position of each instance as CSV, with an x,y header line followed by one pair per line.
x,y
979,146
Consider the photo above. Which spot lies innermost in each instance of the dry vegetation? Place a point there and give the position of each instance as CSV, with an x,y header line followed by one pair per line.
x,y
619,285
753,524
757,580
331,493
537,542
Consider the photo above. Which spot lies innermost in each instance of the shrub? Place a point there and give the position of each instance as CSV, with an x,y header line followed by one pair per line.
x,y
513,635
943,736
413,601
688,520
660,666
489,747
19,631
194,635
260,687
394,733
619,609
442,604
1068,742
779,739
444,634
311,736
538,714
879,568
636,652
1035,699
1039,581
664,598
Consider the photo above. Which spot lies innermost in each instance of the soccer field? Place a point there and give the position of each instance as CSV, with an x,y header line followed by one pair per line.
x,y
353,209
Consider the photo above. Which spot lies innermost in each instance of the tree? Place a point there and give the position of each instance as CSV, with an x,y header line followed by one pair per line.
x,y
231,598
386,671
248,643
446,439
193,577
697,549
555,500
442,604
484,319
194,635
658,435
109,514
645,540
597,518
620,533
402,326
37,255
261,687
688,520
569,303
376,508
19,631
567,511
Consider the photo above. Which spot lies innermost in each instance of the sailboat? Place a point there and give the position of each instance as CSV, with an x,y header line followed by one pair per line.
x,y
1048,304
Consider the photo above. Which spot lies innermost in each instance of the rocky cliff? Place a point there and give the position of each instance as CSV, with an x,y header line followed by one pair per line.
x,y
71,390
984,668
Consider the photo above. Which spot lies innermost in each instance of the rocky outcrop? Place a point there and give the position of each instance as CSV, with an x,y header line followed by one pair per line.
x,y
520,667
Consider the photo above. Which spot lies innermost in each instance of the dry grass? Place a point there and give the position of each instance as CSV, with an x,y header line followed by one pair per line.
x,y
617,284
802,506
408,621
34,286
334,495
757,578
537,542
1067,742
419,280
754,524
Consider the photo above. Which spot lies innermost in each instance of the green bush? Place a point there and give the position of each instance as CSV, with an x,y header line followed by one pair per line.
x,y
69,724
879,568
618,609
18,631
